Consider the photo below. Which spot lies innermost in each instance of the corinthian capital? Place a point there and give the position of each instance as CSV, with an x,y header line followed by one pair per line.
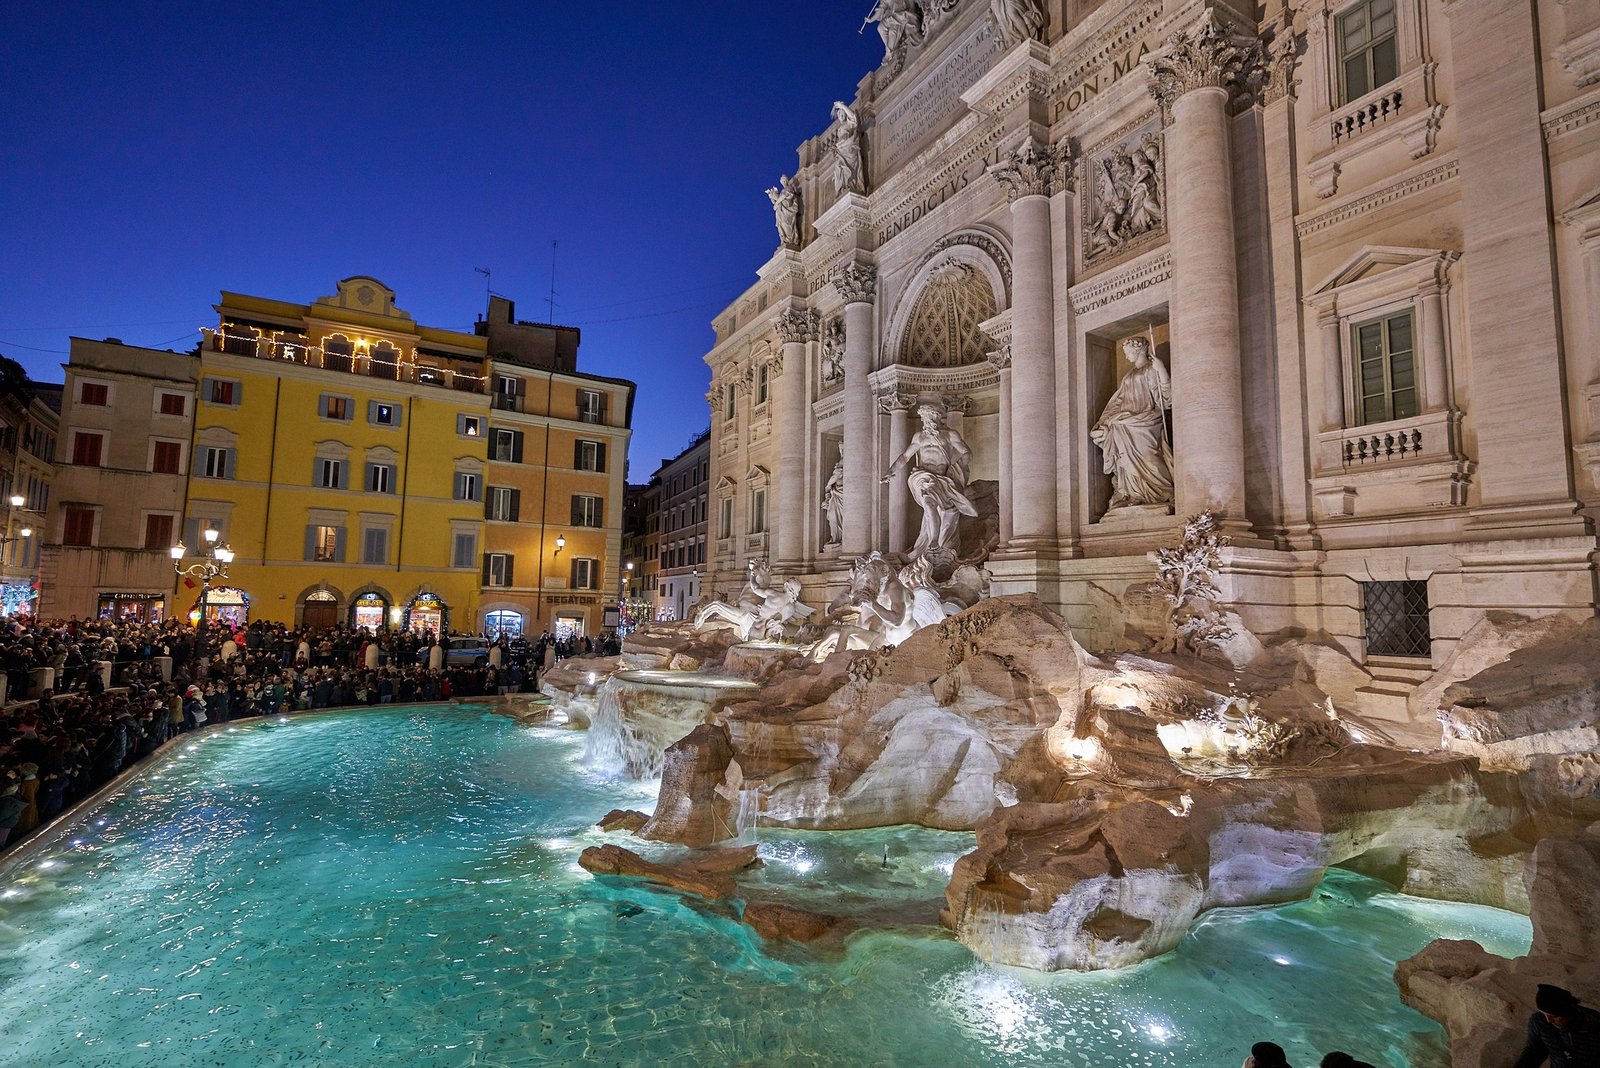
x,y
1281,52
1206,55
797,325
1034,169
856,282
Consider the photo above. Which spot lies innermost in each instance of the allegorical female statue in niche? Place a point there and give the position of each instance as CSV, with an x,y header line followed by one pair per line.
x,y
938,460
848,173
785,197
1017,20
1132,431
833,504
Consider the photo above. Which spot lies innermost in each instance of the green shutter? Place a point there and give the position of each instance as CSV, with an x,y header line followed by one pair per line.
x,y
311,542
516,446
516,505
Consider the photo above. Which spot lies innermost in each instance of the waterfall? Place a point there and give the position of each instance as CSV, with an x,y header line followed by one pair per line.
x,y
607,741
748,813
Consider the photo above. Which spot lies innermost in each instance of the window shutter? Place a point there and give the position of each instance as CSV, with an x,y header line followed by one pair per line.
x,y
573,580
485,581
577,517
316,471
577,455
338,544
603,397
459,489
600,456
516,446
488,506
370,479
599,511
344,474
311,542
516,505
372,411
397,412
511,562
238,394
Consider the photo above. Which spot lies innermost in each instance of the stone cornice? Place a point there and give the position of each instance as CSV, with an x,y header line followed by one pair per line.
x,y
1114,285
1404,186
1570,117
1034,170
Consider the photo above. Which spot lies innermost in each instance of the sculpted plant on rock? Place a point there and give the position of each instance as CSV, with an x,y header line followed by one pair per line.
x,y
1187,577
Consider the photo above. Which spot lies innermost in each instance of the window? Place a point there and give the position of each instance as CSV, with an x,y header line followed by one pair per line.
x,y
166,458
337,354
96,394
587,510
761,384
383,413
503,504
463,549
497,568
380,478
758,511
589,456
330,473
727,401
86,449
506,393
78,528
505,446
585,573
224,391
725,518
158,532
1368,44
470,426
1396,617
172,404
591,406
335,407
324,544
1386,369
467,488
375,546
216,463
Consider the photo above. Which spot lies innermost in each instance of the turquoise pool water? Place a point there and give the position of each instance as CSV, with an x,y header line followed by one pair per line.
x,y
399,887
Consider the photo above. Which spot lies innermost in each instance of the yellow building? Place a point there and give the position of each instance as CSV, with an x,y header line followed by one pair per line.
x,y
557,452
340,447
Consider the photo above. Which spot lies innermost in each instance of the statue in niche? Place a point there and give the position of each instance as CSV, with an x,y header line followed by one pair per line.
x,y
1128,195
1016,21
833,504
938,461
1132,431
849,176
785,197
899,24
833,352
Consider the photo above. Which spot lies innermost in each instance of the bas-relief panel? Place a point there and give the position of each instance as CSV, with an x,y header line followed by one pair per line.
x,y
1124,177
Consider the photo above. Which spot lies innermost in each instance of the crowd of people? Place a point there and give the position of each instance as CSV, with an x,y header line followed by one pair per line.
x,y
61,742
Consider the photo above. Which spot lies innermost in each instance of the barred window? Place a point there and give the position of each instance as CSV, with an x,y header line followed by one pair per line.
x,y
1396,617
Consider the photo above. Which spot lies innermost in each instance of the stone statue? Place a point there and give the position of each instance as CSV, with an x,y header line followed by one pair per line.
x,y
884,605
849,176
1128,195
1132,431
833,504
938,460
899,24
785,197
764,609
833,351
1016,21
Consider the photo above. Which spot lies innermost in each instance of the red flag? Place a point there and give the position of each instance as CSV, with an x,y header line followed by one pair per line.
x,y
188,583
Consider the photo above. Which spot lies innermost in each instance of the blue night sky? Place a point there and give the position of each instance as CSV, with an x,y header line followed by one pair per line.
x,y
155,154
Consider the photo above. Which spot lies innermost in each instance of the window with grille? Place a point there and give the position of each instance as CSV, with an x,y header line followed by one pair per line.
x,y
86,449
1396,617
94,393
1368,49
172,403
167,458
78,528
1386,369
158,532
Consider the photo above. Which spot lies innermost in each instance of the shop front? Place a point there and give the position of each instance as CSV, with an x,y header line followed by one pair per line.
x,y
224,606
132,607
369,611
426,612
505,622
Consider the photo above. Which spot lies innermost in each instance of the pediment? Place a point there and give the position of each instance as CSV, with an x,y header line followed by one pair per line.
x,y
1373,260
363,293
1584,216
726,484
758,475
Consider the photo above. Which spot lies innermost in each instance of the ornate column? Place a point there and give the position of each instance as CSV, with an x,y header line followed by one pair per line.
x,y
857,283
1194,77
1001,359
1332,372
795,328
1031,175
1430,341
899,406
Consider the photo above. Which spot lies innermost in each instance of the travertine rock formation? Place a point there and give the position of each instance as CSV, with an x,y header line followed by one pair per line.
x,y
706,873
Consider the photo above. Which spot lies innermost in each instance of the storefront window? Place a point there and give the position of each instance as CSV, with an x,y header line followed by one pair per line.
x,y
503,622
132,607
427,612
568,628
224,605
369,612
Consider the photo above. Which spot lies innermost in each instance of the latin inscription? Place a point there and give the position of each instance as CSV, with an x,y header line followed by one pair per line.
x,y
975,170
932,103
1105,78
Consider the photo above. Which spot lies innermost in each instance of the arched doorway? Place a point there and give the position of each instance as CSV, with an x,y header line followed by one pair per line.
x,y
320,612
503,621
369,611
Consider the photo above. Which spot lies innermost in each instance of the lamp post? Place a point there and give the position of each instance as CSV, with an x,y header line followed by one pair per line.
x,y
212,564
7,538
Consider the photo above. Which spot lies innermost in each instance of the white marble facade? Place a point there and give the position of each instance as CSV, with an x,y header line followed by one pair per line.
x,y
1375,291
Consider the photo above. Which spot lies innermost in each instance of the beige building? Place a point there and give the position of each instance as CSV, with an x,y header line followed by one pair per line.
x,y
127,427
29,422
1361,239
685,482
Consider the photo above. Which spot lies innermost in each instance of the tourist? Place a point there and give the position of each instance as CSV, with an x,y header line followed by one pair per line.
x,y
1337,1059
11,806
1266,1055
1561,1033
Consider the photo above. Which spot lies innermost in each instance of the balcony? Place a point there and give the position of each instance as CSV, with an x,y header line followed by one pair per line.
x,y
1392,468
367,364
507,402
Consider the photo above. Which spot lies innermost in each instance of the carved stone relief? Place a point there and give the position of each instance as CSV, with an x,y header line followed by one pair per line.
x,y
833,352
1127,202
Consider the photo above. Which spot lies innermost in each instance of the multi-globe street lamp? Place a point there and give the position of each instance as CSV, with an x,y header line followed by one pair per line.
x,y
212,564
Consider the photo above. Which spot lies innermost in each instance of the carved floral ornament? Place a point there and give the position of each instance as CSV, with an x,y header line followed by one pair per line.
x,y
1206,55
856,282
1035,170
797,326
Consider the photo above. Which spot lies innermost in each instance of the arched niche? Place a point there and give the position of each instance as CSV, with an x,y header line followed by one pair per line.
x,y
962,281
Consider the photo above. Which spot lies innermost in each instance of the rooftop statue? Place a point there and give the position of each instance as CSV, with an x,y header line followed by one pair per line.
x,y
785,197
849,175
899,24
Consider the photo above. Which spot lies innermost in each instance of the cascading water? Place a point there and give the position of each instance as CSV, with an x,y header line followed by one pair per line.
x,y
747,814
640,713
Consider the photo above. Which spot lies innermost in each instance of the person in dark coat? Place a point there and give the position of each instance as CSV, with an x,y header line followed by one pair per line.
x,y
1562,1033
1266,1055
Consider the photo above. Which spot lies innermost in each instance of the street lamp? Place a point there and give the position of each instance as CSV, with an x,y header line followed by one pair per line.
x,y
17,500
624,575
213,564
